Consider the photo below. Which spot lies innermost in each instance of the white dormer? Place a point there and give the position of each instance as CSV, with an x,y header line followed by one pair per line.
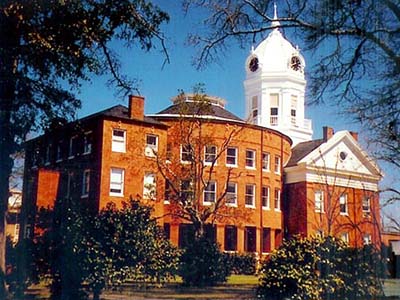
x,y
275,87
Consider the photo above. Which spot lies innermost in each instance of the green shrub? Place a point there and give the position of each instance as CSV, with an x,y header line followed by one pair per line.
x,y
203,264
319,268
243,263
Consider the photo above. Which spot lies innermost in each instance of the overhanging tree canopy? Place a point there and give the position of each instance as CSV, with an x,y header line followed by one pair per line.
x,y
47,45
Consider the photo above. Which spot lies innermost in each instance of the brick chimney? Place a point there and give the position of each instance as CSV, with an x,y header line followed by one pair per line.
x,y
136,107
354,135
328,132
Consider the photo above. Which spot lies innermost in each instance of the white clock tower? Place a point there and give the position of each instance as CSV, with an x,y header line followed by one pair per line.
x,y
275,87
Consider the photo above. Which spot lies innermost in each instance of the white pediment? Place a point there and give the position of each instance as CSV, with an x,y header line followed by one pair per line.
x,y
341,161
342,154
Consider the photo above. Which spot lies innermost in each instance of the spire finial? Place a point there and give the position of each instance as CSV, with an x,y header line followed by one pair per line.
x,y
275,22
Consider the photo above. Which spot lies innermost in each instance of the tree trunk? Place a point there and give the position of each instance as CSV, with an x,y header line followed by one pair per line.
x,y
8,67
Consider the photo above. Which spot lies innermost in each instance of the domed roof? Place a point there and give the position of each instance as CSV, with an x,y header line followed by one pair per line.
x,y
277,54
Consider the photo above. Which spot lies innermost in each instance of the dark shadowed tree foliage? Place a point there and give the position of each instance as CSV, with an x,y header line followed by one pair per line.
x,y
321,268
48,45
203,264
84,253
124,244
355,50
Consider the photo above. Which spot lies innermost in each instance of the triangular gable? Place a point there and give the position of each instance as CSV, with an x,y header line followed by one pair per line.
x,y
342,154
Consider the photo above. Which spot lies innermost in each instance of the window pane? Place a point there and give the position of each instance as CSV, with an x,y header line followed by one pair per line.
x,y
250,239
230,238
231,156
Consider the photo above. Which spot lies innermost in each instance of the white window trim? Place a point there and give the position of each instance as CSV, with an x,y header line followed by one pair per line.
x,y
85,143
117,140
322,206
210,192
181,154
279,165
346,213
122,183
344,236
236,198
149,192
59,152
279,200
268,207
85,193
253,167
47,157
268,169
71,149
151,149
253,196
369,205
236,157
209,163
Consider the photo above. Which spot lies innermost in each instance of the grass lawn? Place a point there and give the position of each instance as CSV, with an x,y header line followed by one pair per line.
x,y
238,287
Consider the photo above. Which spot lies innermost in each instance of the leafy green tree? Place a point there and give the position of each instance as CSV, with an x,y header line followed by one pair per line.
x,y
46,46
126,244
320,268
203,264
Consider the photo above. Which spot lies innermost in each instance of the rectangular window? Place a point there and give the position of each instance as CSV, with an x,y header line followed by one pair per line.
x,y
210,193
167,230
186,192
367,239
59,151
117,182
319,201
250,237
343,204
293,110
231,194
266,240
277,164
72,147
254,108
231,156
118,140
85,183
230,238
151,145
47,158
277,199
265,161
250,195
345,237
274,105
250,158
186,153
210,154
69,184
265,197
149,186
167,192
366,205
278,238
87,142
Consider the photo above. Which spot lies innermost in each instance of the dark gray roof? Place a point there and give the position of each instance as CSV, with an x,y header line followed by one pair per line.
x,y
121,112
193,109
302,149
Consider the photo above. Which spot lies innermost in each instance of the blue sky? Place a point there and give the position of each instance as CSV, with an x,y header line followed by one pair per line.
x,y
159,84
223,78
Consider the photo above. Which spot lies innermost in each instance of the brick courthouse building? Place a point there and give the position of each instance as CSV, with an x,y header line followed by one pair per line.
x,y
275,179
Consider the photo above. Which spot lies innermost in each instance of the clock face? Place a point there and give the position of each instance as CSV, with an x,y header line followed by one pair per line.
x,y
253,65
295,63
